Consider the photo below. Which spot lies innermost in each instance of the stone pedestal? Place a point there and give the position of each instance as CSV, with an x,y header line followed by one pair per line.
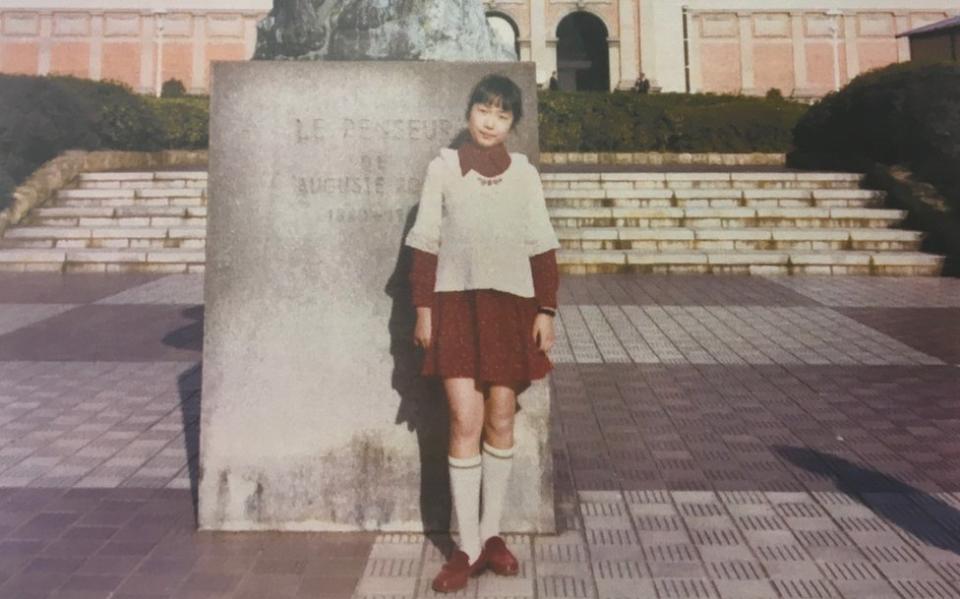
x,y
313,414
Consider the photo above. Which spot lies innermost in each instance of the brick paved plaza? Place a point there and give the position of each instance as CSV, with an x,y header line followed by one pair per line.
x,y
732,437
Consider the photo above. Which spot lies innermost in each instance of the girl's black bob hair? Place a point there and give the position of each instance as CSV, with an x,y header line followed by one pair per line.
x,y
498,89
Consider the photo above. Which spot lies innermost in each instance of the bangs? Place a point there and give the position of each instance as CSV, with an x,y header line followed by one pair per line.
x,y
493,99
500,91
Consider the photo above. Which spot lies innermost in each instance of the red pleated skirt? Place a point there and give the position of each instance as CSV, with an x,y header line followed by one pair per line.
x,y
486,335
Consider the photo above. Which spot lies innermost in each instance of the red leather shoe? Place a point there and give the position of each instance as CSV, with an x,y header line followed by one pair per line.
x,y
455,574
499,558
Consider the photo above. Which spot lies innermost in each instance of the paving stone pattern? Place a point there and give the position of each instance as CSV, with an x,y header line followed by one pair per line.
x,y
717,437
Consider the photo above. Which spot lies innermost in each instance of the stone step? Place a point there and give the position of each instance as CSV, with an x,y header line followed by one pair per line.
x,y
701,180
122,216
714,218
145,179
152,196
140,192
169,260
174,184
677,238
116,203
700,198
104,237
750,262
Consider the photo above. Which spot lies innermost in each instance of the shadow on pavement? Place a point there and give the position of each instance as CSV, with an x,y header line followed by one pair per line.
x,y
907,507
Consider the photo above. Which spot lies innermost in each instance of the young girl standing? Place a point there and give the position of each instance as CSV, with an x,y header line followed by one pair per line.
x,y
484,281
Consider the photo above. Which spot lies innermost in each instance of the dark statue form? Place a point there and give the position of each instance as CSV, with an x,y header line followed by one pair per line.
x,y
379,30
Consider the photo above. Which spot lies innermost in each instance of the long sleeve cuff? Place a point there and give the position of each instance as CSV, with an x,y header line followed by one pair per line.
x,y
423,277
546,278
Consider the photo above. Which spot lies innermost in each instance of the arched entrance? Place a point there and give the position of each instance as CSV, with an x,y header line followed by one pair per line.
x,y
583,61
505,30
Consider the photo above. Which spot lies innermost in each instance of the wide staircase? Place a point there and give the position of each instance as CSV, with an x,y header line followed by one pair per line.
x,y
115,222
781,222
662,222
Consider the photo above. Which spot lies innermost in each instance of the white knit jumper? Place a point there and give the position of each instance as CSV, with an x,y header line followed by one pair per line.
x,y
483,234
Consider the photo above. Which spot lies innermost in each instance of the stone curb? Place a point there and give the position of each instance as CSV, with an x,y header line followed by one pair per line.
x,y
59,172
660,158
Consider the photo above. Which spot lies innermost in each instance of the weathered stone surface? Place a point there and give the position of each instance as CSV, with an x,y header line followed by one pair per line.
x,y
314,416
378,30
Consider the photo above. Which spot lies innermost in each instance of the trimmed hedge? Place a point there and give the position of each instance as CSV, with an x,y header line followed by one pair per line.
x,y
901,114
184,121
629,122
40,117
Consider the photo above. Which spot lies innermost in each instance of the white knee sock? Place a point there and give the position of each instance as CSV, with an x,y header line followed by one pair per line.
x,y
496,473
465,474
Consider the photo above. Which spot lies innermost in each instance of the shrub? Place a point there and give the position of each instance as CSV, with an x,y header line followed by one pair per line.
x,y
121,118
627,122
40,117
37,122
184,122
173,88
904,113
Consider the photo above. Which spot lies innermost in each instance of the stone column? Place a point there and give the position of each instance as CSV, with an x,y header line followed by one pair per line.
x,y
629,62
902,19
539,53
525,55
613,62
96,46
693,40
747,83
648,41
148,51
198,76
801,84
45,42
550,57
849,28
249,35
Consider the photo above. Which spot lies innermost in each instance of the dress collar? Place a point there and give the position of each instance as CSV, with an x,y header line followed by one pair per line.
x,y
488,162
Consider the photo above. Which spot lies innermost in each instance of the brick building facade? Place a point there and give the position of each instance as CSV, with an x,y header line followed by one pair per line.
x,y
748,46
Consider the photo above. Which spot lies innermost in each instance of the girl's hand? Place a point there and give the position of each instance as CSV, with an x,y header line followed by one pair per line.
x,y
421,333
543,332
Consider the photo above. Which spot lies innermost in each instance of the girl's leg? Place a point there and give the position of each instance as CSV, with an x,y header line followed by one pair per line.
x,y
497,456
466,424
466,416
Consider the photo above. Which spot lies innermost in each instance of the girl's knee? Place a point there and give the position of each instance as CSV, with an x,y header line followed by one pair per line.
x,y
499,423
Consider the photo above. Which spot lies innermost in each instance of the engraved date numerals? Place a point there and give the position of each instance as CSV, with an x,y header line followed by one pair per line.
x,y
362,215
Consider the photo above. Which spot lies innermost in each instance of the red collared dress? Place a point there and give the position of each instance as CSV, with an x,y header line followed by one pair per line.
x,y
484,334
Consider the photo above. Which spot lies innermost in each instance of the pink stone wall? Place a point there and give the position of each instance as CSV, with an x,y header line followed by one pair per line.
x,y
721,67
223,51
33,43
70,58
777,42
876,53
820,65
178,62
19,58
773,67
773,38
121,62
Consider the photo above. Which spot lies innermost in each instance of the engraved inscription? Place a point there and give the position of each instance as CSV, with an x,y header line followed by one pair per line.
x,y
340,185
353,215
371,181
318,129
363,185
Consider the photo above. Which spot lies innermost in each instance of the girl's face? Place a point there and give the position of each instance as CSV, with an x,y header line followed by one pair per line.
x,y
489,125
